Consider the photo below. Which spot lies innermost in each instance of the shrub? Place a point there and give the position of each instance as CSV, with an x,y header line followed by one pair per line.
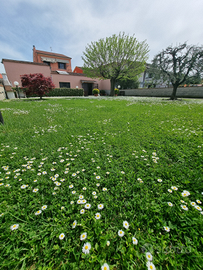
x,y
95,91
66,92
103,92
116,90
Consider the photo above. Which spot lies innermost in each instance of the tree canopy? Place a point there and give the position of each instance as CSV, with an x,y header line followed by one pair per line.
x,y
36,84
115,57
177,64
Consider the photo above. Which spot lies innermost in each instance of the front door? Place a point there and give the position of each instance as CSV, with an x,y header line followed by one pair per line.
x,y
87,88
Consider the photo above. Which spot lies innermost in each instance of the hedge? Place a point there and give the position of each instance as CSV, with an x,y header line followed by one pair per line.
x,y
56,92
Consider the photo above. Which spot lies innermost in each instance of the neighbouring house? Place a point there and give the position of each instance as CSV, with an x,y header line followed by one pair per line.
x,y
78,70
54,65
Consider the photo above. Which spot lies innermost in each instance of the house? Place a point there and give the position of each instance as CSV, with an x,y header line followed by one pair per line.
x,y
54,65
78,70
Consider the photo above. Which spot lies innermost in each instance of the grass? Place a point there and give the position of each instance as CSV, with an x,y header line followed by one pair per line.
x,y
138,156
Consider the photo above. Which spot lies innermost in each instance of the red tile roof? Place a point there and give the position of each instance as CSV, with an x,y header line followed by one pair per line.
x,y
52,54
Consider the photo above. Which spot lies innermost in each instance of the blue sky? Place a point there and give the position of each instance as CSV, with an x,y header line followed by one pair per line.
x,y
67,26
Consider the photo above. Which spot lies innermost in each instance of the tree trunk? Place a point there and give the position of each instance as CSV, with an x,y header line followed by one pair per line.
x,y
173,95
113,81
1,118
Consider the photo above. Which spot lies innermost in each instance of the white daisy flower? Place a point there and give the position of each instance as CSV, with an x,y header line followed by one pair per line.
x,y
38,212
35,190
81,197
125,224
150,266
185,193
71,186
134,241
107,172
198,201
97,184
159,180
74,224
108,243
83,201
98,177
58,184
104,189
74,174
184,207
94,193
54,193
72,202
79,201
167,229
73,192
61,236
84,188
14,227
100,206
174,188
198,208
149,256
170,191
83,236
87,206
170,204
105,266
23,186
82,211
95,197
86,248
44,207
62,207
122,172
121,233
97,215
193,203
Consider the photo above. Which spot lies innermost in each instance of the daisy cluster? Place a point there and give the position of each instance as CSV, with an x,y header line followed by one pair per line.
x,y
86,193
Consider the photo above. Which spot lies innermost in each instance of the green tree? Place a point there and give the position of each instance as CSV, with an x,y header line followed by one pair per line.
x,y
177,64
114,58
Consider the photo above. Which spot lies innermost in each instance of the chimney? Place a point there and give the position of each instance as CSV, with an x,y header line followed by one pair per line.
x,y
34,54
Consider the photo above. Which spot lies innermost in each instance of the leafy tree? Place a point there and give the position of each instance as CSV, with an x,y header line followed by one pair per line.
x,y
128,83
114,58
177,64
36,84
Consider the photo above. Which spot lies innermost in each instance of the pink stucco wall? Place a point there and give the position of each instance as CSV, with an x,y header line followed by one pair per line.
x,y
16,68
76,80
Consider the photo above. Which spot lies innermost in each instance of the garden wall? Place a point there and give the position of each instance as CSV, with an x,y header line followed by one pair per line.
x,y
188,92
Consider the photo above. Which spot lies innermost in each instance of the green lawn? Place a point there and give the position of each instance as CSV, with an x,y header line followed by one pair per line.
x,y
84,182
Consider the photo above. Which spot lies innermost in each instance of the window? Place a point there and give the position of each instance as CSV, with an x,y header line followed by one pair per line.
x,y
61,65
47,63
64,85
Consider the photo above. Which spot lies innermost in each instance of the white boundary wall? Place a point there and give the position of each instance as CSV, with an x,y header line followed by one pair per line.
x,y
190,92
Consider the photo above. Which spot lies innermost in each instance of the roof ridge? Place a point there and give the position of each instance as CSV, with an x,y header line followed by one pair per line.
x,y
52,53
